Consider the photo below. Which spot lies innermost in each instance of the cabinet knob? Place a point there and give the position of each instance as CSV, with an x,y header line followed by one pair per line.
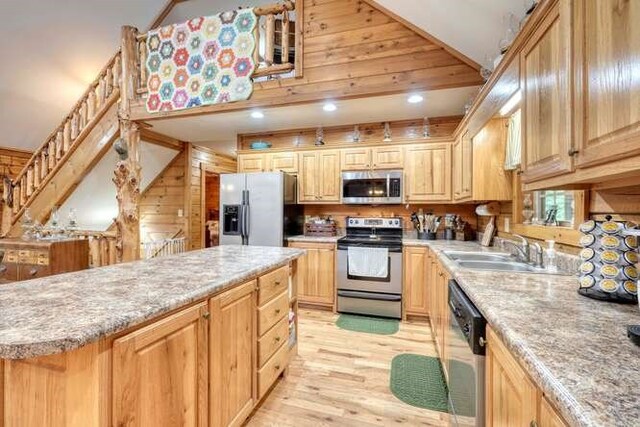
x,y
482,342
33,272
277,339
206,315
3,268
277,368
533,423
573,151
277,311
277,282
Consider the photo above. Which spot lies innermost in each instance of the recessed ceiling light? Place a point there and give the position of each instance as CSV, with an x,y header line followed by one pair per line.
x,y
329,107
414,99
257,114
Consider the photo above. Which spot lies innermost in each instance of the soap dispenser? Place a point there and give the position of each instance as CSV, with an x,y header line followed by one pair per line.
x,y
552,267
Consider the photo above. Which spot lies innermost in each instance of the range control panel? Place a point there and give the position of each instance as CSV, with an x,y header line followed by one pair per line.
x,y
353,222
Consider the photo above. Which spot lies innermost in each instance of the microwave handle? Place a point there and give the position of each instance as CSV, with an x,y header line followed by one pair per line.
x,y
388,186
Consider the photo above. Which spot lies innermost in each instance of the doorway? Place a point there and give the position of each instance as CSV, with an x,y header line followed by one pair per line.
x,y
210,208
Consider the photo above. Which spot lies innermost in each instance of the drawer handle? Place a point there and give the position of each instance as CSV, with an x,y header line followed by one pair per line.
x,y
572,151
33,272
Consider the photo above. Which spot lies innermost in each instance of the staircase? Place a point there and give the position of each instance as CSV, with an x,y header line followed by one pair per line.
x,y
69,152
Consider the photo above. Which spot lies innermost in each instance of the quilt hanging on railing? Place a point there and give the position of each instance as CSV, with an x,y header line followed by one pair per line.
x,y
207,60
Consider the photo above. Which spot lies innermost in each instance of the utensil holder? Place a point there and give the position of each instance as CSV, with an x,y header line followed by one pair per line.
x,y
426,235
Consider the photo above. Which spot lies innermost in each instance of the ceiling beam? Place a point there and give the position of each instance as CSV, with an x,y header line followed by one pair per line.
x,y
462,57
164,12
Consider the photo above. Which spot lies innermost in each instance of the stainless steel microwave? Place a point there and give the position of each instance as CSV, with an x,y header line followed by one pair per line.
x,y
372,187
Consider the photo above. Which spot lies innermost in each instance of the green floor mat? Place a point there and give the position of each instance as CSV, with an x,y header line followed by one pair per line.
x,y
419,381
371,325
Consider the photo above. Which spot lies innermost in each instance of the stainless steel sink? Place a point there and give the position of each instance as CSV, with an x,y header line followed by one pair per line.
x,y
478,256
514,266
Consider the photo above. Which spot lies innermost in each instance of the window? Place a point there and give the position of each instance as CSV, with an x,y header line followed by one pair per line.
x,y
554,207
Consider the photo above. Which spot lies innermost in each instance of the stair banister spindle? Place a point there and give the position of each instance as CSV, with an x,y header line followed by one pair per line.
x,y
23,191
36,172
16,198
108,78
52,153
270,39
44,162
30,180
83,116
91,104
115,71
66,140
73,134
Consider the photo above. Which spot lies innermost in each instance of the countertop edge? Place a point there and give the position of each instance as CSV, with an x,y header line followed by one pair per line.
x,y
29,350
568,406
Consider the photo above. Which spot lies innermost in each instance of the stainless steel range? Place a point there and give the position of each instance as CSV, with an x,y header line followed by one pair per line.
x,y
369,270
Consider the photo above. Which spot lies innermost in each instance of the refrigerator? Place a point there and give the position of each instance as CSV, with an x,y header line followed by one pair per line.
x,y
259,209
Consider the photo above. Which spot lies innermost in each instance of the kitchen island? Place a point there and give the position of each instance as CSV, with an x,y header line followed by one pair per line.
x,y
137,343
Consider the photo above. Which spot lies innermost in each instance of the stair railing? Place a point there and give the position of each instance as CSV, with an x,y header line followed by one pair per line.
x,y
102,247
158,248
46,160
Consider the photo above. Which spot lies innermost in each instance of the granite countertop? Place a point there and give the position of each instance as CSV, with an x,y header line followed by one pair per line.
x,y
64,312
574,348
315,239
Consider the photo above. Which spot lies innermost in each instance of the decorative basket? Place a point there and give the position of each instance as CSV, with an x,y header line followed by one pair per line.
x,y
328,229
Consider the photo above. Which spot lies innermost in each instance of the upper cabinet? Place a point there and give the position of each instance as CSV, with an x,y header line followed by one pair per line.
x,y
462,167
268,162
607,80
428,172
490,180
319,176
385,157
285,162
252,162
546,118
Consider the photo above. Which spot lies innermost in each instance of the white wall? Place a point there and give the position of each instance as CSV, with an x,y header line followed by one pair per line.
x,y
95,198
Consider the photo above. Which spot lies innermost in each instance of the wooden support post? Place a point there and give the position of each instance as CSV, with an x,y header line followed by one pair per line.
x,y
270,34
299,24
127,180
284,41
256,36
142,54
129,75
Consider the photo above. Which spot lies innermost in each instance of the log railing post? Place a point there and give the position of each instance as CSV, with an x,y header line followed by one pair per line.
x,y
129,71
127,181
270,35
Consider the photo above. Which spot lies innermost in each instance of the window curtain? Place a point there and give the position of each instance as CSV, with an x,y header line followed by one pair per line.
x,y
514,143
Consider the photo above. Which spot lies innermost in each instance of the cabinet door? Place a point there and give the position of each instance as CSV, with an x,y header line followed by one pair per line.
x,y
233,355
415,281
316,274
387,157
329,184
548,416
491,182
428,173
443,284
546,113
456,169
285,162
160,372
252,163
607,81
467,166
510,394
308,177
355,159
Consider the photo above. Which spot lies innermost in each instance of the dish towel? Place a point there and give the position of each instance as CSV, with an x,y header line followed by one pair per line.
x,y
368,262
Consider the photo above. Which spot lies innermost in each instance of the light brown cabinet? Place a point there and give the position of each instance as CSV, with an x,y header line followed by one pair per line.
x,y
462,167
252,163
316,273
428,172
355,159
416,275
438,305
386,157
546,108
160,375
607,82
319,176
286,161
490,180
233,357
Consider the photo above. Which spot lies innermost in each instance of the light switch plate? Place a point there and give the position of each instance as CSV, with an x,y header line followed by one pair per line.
x,y
507,225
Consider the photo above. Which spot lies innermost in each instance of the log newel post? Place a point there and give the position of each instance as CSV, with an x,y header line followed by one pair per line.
x,y
127,181
129,74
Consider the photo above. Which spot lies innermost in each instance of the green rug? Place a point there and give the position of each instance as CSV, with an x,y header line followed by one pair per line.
x,y
370,325
419,381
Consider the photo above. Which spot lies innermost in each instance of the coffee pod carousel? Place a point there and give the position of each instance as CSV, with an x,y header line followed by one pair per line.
x,y
633,331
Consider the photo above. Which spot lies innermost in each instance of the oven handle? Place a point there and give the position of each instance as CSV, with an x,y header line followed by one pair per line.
x,y
369,295
388,186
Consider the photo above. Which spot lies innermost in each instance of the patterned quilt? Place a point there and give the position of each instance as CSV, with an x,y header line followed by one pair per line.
x,y
207,60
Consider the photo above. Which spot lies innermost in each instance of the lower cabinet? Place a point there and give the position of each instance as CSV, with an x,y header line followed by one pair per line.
x,y
316,273
438,305
416,276
160,375
233,356
512,399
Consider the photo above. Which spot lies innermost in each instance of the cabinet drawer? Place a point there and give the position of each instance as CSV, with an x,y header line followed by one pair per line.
x,y
8,272
272,340
32,271
272,312
272,284
272,370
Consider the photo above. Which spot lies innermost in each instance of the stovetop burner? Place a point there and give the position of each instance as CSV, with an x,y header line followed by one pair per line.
x,y
373,232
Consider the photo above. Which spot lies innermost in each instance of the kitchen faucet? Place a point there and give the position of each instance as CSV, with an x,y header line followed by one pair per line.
x,y
522,249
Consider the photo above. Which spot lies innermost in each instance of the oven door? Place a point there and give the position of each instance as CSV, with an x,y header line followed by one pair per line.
x,y
392,284
373,187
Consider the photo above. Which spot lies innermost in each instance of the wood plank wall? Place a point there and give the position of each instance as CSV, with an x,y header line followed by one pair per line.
x,y
352,48
340,212
401,131
212,197
201,157
161,202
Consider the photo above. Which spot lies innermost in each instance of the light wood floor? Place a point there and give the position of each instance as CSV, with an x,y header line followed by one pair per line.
x,y
341,378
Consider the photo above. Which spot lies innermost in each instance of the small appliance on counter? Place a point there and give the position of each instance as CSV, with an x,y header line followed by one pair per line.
x,y
463,230
609,256
369,267
320,227
450,226
633,331
426,224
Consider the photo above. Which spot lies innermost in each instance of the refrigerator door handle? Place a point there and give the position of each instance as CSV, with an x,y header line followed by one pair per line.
x,y
245,220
